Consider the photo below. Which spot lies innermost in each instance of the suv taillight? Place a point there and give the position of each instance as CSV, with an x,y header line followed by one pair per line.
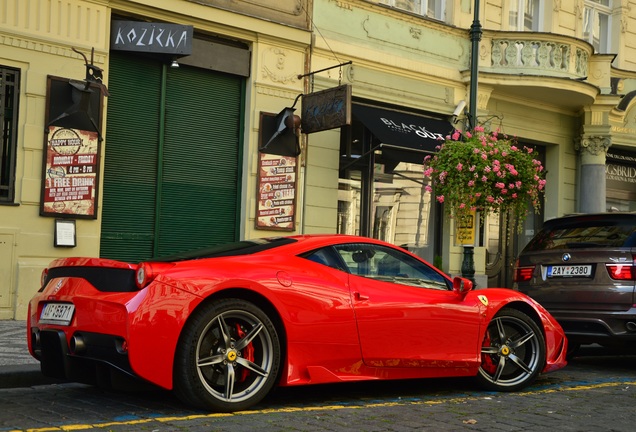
x,y
523,274
622,271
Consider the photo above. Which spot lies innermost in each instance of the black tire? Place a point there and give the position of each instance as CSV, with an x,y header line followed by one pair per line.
x,y
512,353
228,357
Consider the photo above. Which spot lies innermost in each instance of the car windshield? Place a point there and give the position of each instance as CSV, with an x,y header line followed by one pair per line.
x,y
585,233
245,247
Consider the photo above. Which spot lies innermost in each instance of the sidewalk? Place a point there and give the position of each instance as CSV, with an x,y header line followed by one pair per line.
x,y
17,367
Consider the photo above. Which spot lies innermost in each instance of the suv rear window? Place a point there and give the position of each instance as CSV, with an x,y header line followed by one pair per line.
x,y
586,232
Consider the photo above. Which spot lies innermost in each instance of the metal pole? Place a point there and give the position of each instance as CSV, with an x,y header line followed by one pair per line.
x,y
468,264
475,38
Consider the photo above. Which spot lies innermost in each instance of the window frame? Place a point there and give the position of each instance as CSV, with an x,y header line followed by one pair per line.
x,y
9,101
591,13
440,7
537,15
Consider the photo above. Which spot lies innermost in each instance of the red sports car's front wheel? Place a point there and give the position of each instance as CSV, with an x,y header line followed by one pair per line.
x,y
512,353
228,356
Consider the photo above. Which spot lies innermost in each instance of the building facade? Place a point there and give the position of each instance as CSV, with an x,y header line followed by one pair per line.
x,y
556,75
133,129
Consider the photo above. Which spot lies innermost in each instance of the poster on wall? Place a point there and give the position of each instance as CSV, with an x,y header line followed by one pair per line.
x,y
276,189
70,173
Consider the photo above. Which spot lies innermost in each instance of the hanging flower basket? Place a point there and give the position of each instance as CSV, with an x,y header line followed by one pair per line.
x,y
486,172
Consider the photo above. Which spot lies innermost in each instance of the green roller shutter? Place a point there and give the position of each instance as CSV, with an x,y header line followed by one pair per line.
x,y
200,171
171,175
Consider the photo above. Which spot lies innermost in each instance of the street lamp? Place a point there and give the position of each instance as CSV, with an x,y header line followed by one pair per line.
x,y
475,38
468,263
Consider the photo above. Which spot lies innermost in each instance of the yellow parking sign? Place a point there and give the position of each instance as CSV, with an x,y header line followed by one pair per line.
x,y
465,229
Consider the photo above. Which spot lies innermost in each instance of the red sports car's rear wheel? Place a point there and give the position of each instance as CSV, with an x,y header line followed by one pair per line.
x,y
512,353
228,356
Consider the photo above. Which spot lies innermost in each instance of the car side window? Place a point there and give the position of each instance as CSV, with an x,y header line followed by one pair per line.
x,y
389,265
326,256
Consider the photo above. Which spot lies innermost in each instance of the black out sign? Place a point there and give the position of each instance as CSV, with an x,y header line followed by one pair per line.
x,y
158,38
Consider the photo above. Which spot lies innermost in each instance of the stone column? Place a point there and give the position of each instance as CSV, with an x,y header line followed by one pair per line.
x,y
592,151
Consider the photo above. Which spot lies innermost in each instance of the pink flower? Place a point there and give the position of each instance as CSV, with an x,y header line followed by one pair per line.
x,y
462,205
500,185
471,183
469,135
456,135
428,171
459,166
440,198
428,188
490,199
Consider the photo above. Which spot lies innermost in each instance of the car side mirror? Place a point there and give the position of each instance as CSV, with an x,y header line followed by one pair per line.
x,y
461,286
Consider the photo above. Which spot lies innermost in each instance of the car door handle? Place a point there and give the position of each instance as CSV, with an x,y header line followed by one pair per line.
x,y
359,297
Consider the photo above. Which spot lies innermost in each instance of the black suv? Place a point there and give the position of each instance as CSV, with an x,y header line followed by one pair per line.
x,y
582,269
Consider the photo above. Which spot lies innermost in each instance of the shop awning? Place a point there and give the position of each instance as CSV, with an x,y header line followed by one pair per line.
x,y
403,137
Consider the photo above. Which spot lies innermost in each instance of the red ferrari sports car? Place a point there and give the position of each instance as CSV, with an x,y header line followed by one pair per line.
x,y
222,326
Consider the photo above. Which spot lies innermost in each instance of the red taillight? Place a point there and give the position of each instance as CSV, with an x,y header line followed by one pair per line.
x,y
622,271
523,274
148,271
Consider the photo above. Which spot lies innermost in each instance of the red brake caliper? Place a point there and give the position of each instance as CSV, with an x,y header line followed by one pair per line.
x,y
486,360
247,354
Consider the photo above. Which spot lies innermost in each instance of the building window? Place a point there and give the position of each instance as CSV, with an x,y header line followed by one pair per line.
x,y
525,15
9,93
430,8
597,23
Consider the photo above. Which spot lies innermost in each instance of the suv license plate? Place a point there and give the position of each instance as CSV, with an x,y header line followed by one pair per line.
x,y
57,313
570,271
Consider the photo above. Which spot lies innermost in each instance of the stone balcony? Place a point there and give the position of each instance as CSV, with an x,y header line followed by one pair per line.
x,y
542,54
544,67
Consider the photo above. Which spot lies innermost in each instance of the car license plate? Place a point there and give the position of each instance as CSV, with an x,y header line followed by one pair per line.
x,y
57,313
570,271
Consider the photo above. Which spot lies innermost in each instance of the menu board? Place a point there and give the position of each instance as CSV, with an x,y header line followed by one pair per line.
x,y
70,172
276,192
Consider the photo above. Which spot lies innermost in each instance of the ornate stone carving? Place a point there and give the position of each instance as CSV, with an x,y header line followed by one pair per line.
x,y
275,66
537,54
595,145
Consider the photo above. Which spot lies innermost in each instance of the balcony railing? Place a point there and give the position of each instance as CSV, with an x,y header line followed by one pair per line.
x,y
536,54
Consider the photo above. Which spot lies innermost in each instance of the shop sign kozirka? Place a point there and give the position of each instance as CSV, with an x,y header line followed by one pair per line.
x,y
159,38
